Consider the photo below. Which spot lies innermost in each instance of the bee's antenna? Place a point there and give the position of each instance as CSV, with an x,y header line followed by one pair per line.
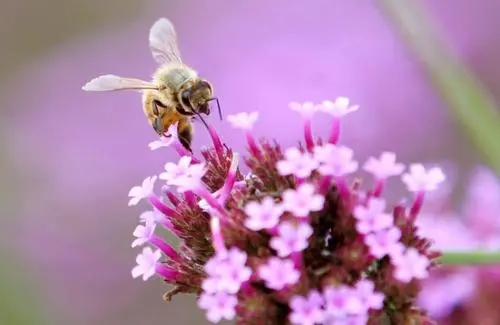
x,y
218,106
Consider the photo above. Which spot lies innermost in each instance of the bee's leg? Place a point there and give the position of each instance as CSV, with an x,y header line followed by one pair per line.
x,y
185,134
158,126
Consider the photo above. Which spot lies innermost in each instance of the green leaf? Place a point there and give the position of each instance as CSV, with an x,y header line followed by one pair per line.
x,y
468,101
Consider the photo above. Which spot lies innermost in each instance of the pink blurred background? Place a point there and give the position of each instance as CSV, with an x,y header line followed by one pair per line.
x,y
70,157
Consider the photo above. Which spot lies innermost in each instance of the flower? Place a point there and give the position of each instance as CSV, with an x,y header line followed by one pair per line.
x,y
244,121
278,273
335,161
339,108
143,233
372,217
291,238
297,163
218,306
137,193
420,180
293,241
263,215
306,109
307,310
303,200
384,167
410,264
146,263
384,242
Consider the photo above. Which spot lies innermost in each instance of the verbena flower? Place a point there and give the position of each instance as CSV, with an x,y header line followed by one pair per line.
x,y
296,241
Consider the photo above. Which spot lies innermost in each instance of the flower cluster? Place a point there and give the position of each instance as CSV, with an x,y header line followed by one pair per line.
x,y
295,241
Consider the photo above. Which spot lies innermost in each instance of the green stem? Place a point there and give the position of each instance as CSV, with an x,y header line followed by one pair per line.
x,y
468,101
470,258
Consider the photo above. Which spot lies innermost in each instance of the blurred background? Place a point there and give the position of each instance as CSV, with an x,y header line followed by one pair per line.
x,y
69,157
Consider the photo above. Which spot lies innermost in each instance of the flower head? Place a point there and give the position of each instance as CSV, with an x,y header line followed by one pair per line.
x,y
184,175
218,306
410,264
278,273
306,109
384,242
244,120
335,160
384,167
300,164
291,238
147,262
372,217
137,193
307,310
263,215
165,140
421,180
143,233
339,108
303,200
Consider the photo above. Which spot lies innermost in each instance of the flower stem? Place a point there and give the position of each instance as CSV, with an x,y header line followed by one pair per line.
x,y
470,258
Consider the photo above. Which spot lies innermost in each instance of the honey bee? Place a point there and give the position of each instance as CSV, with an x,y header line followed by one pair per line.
x,y
175,95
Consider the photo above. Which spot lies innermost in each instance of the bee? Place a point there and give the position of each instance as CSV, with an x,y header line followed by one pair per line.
x,y
176,93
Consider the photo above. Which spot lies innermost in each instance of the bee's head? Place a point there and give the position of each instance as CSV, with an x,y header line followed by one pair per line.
x,y
197,96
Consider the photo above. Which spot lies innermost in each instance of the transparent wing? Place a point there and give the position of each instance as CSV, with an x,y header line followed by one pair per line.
x,y
163,42
111,82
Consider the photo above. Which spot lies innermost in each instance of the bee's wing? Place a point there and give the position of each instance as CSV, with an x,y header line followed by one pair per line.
x,y
111,82
163,42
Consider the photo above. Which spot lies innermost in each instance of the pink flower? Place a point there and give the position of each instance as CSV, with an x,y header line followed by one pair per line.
x,y
218,306
365,290
306,109
306,310
346,320
226,272
384,242
335,160
303,200
263,215
137,193
372,217
152,216
297,163
420,180
167,140
146,263
243,121
384,167
409,265
339,108
184,175
341,301
278,273
143,233
291,238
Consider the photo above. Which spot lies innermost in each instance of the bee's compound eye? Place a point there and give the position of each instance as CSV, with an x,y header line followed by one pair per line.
x,y
185,98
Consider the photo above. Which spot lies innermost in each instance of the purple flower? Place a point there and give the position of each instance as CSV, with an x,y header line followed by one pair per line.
x,y
372,217
226,272
307,310
384,167
339,108
152,216
292,237
409,265
278,273
166,140
303,200
184,175
384,242
365,290
263,215
143,233
341,301
218,306
335,161
420,180
307,109
300,164
244,121
137,193
147,263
